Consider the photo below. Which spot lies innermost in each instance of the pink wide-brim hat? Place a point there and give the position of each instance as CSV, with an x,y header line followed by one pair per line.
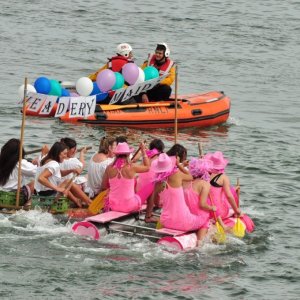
x,y
163,163
123,148
218,160
199,166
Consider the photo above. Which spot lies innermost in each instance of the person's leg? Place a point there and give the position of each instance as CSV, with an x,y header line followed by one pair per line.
x,y
77,192
201,233
160,92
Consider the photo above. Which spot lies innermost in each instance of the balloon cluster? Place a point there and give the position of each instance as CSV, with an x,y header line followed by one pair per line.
x,y
106,81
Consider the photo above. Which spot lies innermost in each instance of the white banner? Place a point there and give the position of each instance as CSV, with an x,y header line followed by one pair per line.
x,y
35,101
48,105
62,107
82,106
124,94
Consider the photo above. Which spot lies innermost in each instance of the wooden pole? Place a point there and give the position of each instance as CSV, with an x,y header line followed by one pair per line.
x,y
21,145
176,103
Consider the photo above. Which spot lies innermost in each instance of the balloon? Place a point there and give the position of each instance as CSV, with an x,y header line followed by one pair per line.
x,y
119,81
30,88
141,77
55,88
150,73
65,93
42,85
95,90
84,86
106,80
73,94
130,72
100,97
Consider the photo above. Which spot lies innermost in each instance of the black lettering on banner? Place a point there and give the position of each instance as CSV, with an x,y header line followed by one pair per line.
x,y
34,103
73,108
81,109
60,108
90,105
46,108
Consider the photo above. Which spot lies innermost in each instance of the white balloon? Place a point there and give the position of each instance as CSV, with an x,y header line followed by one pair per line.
x,y
141,77
30,88
84,86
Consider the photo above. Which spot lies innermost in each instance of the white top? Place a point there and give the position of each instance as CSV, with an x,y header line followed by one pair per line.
x,y
95,174
70,163
55,178
27,170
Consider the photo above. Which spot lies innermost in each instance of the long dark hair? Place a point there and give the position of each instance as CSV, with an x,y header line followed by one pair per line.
x,y
71,143
157,144
54,152
9,158
178,150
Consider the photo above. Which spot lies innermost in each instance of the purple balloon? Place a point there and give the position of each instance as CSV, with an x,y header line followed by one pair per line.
x,y
73,94
106,80
130,71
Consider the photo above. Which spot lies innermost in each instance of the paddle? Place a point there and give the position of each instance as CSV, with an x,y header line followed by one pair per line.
x,y
98,203
109,107
176,101
21,145
220,235
66,188
238,228
40,149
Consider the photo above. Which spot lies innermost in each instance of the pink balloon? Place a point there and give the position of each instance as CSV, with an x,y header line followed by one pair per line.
x,y
130,71
106,79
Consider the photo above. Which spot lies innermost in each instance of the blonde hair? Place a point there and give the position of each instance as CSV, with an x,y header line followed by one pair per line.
x,y
105,143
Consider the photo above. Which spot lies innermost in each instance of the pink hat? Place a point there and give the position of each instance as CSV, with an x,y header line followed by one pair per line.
x,y
123,148
219,162
163,163
199,167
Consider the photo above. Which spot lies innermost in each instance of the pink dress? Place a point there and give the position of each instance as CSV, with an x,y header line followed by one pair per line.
x,y
219,199
192,200
175,212
145,184
122,197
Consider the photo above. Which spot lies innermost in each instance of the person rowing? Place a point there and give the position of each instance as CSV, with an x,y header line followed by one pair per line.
x,y
119,177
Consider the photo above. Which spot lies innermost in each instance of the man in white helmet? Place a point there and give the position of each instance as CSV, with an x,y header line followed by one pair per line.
x,y
162,62
115,63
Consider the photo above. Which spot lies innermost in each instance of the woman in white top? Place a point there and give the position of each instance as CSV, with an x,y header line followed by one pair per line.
x,y
71,162
9,166
98,164
48,178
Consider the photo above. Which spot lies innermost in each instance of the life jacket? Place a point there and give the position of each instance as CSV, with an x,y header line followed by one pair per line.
x,y
116,63
162,69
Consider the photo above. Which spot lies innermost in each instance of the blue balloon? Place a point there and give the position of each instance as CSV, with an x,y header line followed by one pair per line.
x,y
95,90
100,97
42,85
65,93
150,73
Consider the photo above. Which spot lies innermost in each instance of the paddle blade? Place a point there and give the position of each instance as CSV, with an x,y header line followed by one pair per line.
x,y
159,225
98,203
220,235
239,228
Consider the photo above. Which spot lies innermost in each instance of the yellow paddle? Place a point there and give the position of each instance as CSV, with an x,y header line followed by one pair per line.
x,y
220,235
238,228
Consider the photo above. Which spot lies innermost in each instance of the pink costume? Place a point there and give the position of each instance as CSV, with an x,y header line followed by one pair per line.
x,y
192,200
175,212
145,184
122,197
219,199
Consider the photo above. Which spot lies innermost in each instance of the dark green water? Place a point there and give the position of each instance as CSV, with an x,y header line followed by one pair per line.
x,y
250,50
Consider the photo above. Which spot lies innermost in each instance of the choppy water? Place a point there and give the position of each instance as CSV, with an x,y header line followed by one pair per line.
x,y
250,50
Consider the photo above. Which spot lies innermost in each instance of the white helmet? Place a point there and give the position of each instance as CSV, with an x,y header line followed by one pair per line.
x,y
167,51
124,49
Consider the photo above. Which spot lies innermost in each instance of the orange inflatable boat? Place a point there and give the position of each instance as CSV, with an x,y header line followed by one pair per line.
x,y
195,110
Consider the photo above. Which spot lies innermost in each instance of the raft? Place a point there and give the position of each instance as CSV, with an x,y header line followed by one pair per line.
x,y
193,110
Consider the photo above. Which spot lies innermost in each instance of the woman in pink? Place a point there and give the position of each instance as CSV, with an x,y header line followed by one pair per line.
x,y
175,212
145,181
221,192
196,192
119,177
